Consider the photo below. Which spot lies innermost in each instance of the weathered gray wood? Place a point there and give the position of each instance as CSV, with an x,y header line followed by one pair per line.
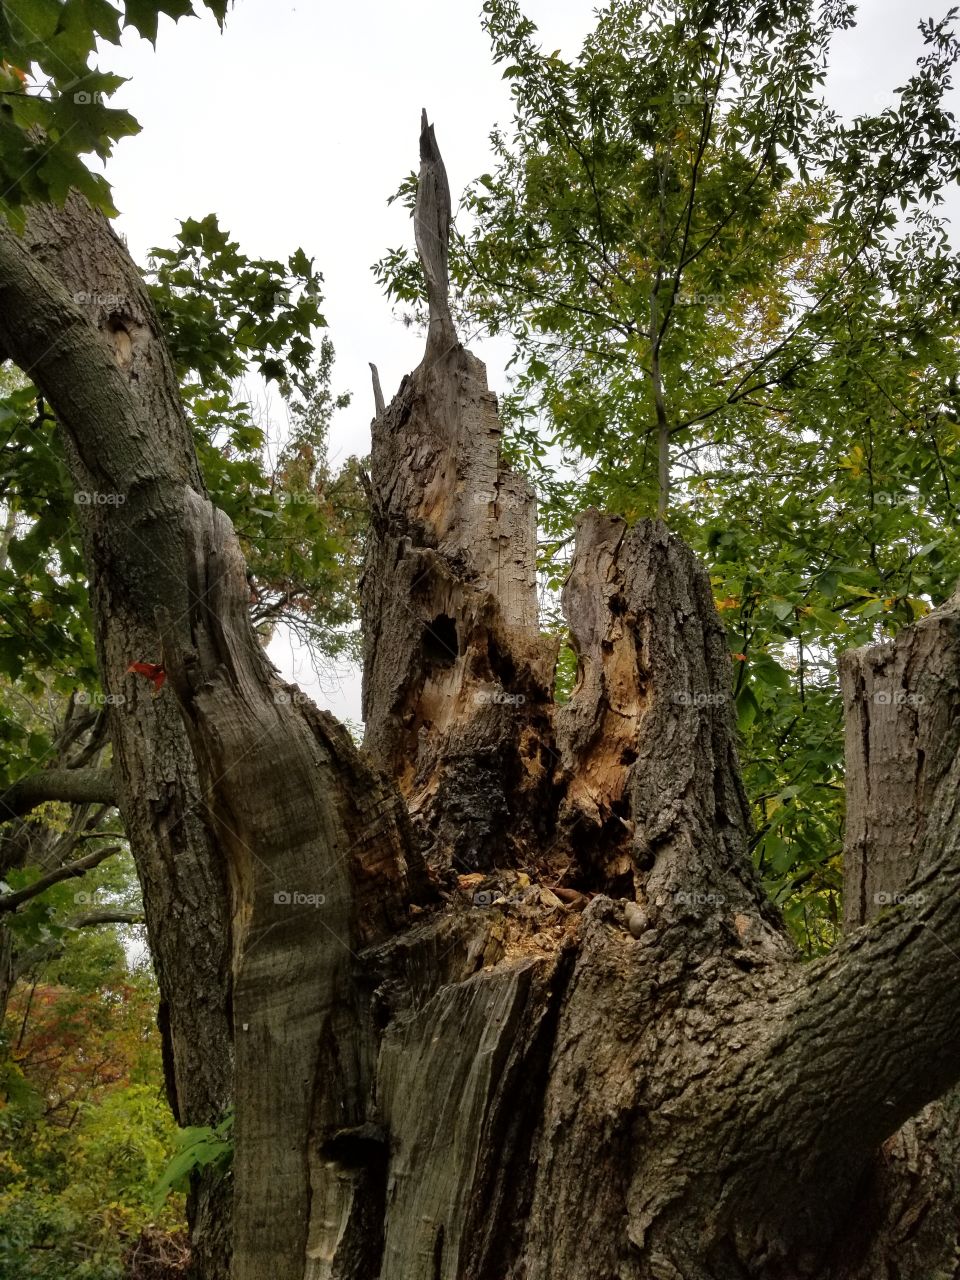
x,y
378,401
431,229
902,739
475,1050
457,679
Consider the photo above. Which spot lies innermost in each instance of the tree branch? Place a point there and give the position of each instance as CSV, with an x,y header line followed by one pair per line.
x,y
91,919
72,786
869,1037
46,951
11,901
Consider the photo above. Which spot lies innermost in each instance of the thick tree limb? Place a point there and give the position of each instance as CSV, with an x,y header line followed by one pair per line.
x,y
92,919
72,786
871,1035
11,901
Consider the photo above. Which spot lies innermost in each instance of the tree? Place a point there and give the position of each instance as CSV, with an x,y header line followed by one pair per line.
x,y
673,1045
502,994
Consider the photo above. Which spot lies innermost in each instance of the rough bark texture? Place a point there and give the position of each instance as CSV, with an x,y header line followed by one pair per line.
x,y
903,735
72,786
902,740
592,1053
82,325
457,678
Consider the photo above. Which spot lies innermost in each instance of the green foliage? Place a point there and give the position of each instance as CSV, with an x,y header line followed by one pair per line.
x,y
300,522
565,673
44,625
85,1131
681,238
198,1147
227,317
54,99
223,312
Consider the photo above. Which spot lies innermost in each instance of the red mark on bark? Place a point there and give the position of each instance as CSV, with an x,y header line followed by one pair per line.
x,y
152,670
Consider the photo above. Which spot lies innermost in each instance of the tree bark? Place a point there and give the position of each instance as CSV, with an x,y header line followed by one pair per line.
x,y
444,1070
72,786
80,323
901,750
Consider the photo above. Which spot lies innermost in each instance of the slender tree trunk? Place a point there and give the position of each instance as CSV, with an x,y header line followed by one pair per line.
x,y
508,1000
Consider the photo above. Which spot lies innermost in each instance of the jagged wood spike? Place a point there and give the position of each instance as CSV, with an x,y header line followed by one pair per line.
x,y
377,390
431,229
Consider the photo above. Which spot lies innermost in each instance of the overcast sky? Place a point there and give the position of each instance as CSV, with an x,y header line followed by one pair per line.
x,y
297,122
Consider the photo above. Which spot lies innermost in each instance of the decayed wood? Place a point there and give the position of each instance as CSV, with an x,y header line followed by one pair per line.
x,y
653,803
431,229
457,679
676,1007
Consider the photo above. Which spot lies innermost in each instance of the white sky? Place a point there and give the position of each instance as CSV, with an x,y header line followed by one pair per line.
x,y
297,122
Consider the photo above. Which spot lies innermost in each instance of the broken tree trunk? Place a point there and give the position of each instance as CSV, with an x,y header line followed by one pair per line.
x,y
457,678
608,1062
902,746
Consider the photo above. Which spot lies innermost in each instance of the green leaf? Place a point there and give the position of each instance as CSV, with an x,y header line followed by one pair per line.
x,y
144,14
747,709
33,19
